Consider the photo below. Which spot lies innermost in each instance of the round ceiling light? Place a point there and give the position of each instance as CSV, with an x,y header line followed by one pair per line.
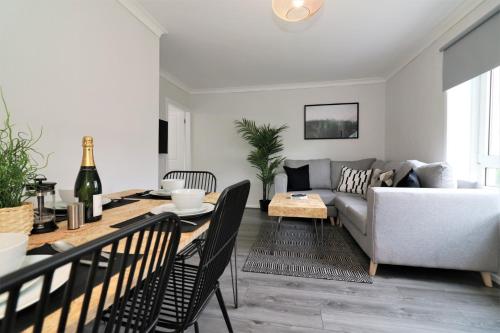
x,y
296,10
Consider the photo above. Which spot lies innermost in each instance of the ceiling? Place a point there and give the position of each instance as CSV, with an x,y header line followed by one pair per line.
x,y
238,43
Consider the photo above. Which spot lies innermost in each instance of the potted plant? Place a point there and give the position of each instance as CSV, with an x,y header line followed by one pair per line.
x,y
266,141
17,168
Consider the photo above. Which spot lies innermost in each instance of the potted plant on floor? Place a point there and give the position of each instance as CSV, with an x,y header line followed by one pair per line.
x,y
267,143
17,168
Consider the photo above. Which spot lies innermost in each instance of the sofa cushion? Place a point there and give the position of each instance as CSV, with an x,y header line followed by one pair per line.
x,y
326,195
436,175
409,180
297,178
336,168
354,208
380,179
401,168
354,181
319,171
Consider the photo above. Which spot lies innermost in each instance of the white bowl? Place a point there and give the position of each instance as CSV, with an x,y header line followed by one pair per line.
x,y
12,251
170,185
68,196
188,198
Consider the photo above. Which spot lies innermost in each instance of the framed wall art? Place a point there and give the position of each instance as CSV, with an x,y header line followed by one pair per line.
x,y
331,121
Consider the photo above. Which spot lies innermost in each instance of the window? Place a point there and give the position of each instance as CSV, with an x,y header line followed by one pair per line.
x,y
473,128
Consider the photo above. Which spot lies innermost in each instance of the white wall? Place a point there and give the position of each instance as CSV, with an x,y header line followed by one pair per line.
x,y
218,148
84,68
416,112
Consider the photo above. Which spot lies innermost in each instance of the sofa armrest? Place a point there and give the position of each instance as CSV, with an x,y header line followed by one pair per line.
x,y
280,183
446,228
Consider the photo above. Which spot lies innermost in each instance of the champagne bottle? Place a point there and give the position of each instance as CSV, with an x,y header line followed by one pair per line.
x,y
88,188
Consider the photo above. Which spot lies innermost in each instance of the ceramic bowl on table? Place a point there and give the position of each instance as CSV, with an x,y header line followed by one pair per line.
x,y
188,198
169,185
67,196
12,251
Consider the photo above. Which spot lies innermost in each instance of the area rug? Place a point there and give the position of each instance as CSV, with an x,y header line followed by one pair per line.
x,y
295,250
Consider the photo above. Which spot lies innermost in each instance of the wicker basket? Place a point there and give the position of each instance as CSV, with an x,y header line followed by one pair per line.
x,y
17,219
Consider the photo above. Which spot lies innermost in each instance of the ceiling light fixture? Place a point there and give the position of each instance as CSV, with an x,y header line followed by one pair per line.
x,y
296,10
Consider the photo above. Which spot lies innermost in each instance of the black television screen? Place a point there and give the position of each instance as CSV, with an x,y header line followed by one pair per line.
x,y
163,137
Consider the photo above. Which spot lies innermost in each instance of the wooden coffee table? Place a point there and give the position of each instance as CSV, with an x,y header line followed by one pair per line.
x,y
312,208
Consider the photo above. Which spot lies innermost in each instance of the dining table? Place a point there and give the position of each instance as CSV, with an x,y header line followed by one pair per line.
x,y
90,231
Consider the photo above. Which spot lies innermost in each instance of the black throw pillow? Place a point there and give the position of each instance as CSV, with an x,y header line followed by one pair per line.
x,y
298,178
409,180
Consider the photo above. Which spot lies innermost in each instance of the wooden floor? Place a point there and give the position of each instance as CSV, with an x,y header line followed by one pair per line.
x,y
401,299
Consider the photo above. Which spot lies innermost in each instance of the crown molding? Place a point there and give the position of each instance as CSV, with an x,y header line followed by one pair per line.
x,y
175,81
289,86
456,16
140,13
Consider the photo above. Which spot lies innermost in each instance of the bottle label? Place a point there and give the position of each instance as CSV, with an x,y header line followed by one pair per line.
x,y
97,203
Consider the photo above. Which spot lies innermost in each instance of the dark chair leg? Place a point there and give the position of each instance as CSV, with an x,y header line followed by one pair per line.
x,y
196,328
223,309
234,276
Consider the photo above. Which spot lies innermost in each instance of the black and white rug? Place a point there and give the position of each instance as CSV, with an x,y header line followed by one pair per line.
x,y
296,251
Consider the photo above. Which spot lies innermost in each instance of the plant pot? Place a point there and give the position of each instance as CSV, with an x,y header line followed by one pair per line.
x,y
264,205
17,219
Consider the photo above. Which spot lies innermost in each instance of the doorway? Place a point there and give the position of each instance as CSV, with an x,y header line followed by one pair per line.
x,y
179,139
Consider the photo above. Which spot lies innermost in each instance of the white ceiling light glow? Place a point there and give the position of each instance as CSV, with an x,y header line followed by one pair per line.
x,y
296,10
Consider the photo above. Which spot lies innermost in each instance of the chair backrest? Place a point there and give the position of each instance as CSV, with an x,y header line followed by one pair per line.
x,y
141,257
203,180
219,244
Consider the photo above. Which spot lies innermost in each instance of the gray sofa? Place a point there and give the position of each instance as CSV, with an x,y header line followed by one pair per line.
x,y
452,228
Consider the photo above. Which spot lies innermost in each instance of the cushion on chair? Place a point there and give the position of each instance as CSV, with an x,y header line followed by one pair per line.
x,y
319,171
336,168
326,195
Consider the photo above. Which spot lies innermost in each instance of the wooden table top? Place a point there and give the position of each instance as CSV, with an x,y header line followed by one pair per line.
x,y
95,230
90,231
312,207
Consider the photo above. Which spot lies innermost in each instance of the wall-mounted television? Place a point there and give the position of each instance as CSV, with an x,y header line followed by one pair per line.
x,y
163,137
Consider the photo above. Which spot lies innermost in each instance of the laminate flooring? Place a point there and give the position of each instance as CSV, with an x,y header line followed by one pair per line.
x,y
401,299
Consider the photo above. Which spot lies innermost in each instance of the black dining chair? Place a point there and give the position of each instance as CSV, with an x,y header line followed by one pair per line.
x,y
203,180
206,181
192,286
140,254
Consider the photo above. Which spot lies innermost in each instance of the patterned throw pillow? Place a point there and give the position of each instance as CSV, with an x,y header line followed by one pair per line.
x,y
381,179
354,181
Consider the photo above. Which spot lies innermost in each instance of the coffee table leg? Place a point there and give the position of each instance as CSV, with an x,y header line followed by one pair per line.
x,y
279,222
321,230
316,229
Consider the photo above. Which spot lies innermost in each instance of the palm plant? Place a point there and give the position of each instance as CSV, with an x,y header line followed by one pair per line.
x,y
267,143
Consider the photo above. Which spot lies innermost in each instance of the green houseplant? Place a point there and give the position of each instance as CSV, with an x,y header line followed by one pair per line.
x,y
17,168
267,144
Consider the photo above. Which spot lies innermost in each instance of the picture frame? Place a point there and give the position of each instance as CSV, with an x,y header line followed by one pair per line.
x,y
331,121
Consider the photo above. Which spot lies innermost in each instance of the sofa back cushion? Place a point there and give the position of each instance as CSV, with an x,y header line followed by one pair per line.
x,y
336,168
319,171
437,175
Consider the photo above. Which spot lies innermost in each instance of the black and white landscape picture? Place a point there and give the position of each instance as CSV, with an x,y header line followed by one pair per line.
x,y
331,121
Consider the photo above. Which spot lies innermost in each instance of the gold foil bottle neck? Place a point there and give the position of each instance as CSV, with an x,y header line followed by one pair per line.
x,y
88,141
88,152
